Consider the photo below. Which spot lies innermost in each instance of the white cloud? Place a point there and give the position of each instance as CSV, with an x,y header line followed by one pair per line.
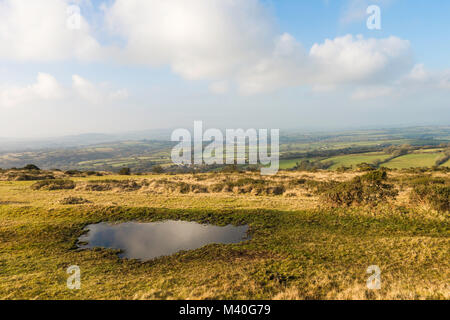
x,y
342,61
444,81
86,89
48,90
418,80
95,93
38,31
198,39
226,42
420,76
355,59
236,41
419,73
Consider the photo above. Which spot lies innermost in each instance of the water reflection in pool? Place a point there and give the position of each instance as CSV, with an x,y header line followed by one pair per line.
x,y
146,241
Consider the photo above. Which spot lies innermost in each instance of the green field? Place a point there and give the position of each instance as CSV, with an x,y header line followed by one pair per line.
x,y
420,158
426,159
343,148
355,159
289,164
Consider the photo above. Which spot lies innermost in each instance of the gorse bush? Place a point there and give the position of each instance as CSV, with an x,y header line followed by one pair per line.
x,y
31,167
320,187
297,182
94,173
312,165
366,166
443,159
369,189
248,181
73,200
436,196
232,168
125,171
21,176
73,172
248,185
56,184
180,186
344,168
109,184
421,179
426,180
375,176
157,169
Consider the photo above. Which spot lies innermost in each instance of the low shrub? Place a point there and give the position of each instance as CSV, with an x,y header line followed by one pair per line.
x,y
248,181
31,167
157,169
369,189
436,196
232,168
275,190
312,165
74,200
56,184
423,179
248,185
125,171
217,187
94,173
109,184
319,187
366,167
343,168
73,173
22,176
180,186
296,182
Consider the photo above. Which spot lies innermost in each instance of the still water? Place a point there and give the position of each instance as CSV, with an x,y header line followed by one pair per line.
x,y
145,241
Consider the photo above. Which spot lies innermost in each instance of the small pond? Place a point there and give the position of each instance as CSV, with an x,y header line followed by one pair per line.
x,y
145,241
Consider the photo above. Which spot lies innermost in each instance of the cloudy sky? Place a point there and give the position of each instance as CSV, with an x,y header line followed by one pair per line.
x,y
125,65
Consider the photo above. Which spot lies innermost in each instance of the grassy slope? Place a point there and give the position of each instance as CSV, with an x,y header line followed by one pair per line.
x,y
295,252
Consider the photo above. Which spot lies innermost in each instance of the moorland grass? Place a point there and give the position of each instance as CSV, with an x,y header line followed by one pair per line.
x,y
299,248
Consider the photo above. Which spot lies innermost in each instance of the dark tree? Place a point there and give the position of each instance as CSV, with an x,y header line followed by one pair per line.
x,y
31,167
157,169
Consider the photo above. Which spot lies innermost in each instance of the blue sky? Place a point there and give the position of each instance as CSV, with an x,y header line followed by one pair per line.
x,y
136,65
